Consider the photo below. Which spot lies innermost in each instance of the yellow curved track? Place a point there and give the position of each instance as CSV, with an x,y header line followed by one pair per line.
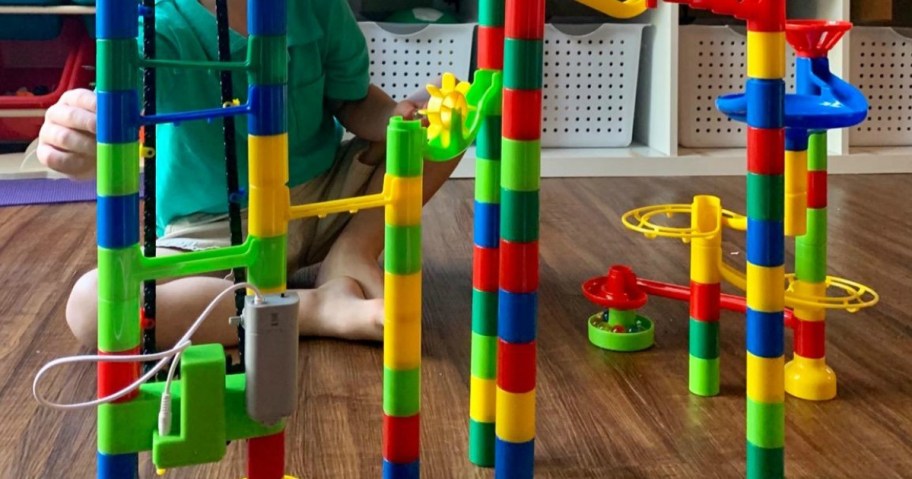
x,y
857,296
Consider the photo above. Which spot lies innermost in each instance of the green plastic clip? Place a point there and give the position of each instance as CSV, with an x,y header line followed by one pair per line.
x,y
200,437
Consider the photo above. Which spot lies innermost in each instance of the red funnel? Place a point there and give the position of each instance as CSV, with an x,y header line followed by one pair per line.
x,y
618,289
814,38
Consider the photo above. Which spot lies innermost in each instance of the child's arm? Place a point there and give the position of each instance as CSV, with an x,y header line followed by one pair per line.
x,y
368,118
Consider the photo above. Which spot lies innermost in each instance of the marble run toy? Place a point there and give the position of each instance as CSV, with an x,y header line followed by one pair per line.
x,y
502,107
502,110
213,405
786,197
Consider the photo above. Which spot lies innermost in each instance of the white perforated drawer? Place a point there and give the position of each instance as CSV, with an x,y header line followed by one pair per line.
x,y
405,57
590,84
712,64
882,69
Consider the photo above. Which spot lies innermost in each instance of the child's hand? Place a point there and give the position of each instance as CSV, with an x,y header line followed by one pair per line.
x,y
407,109
67,142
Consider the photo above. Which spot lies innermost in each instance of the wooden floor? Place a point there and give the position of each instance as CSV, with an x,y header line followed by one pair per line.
x,y
601,415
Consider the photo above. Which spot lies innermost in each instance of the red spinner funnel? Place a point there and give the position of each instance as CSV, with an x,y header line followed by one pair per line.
x,y
617,290
815,38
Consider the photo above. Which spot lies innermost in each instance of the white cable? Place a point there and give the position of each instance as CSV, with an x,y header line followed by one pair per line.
x,y
164,358
164,410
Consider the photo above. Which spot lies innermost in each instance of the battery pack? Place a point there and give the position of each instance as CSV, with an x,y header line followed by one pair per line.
x,y
271,357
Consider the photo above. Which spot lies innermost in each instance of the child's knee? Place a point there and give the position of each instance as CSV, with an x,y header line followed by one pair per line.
x,y
82,309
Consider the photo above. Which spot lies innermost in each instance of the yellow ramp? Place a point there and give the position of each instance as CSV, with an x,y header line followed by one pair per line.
x,y
617,8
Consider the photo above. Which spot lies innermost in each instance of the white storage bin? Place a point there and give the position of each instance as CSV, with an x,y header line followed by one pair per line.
x,y
713,63
590,84
882,68
405,57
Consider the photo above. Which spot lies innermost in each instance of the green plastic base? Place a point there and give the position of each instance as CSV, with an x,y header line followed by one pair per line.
x,y
623,342
199,433
129,427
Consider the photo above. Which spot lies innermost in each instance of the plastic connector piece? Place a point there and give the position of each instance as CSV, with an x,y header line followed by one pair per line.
x,y
271,360
164,415
238,196
198,433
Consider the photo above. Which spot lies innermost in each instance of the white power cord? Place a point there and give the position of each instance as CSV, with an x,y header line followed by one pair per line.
x,y
171,355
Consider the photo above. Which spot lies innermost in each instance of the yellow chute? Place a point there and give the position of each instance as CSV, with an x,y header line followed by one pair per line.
x,y
618,8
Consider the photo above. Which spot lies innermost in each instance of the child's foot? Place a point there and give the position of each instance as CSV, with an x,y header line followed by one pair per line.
x,y
360,267
338,308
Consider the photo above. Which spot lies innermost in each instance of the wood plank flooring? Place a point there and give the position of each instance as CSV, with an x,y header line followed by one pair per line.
x,y
601,415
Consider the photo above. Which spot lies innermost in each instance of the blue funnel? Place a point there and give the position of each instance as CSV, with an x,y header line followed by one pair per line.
x,y
826,101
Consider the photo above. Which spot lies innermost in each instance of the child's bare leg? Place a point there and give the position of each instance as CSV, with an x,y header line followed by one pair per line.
x,y
318,312
181,301
357,249
347,302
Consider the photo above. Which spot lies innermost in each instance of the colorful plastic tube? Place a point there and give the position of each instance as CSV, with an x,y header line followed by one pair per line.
x,y
486,254
705,295
519,231
402,305
268,179
117,214
766,243
807,376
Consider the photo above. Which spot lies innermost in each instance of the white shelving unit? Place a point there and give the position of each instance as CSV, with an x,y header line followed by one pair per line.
x,y
656,151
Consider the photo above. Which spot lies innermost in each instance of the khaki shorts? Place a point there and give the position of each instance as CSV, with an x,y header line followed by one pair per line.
x,y
309,239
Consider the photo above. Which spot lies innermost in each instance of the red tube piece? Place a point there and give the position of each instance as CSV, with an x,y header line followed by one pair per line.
x,y
817,189
705,301
485,269
527,21
810,338
266,457
401,436
762,144
516,366
522,114
490,48
113,377
519,266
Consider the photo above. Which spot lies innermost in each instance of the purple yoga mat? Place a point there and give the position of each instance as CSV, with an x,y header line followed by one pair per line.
x,y
44,191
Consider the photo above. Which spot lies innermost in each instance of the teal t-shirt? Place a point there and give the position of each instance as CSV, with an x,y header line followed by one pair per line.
x,y
327,59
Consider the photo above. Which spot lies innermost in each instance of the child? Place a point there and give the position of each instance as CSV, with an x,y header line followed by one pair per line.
x,y
328,81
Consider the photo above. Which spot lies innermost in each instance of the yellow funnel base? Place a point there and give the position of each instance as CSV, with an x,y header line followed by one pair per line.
x,y
810,379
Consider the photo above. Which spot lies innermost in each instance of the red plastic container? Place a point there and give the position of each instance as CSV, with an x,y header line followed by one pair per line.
x,y
48,67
